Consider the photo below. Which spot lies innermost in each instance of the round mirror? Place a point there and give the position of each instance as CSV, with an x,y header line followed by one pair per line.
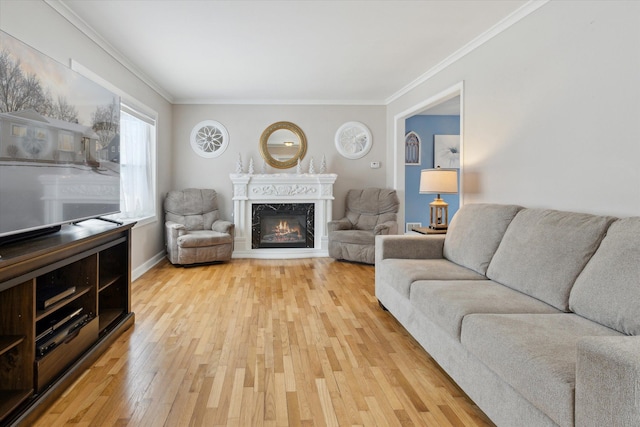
x,y
282,144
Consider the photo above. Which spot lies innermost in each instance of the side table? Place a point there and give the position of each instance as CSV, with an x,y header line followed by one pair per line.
x,y
427,230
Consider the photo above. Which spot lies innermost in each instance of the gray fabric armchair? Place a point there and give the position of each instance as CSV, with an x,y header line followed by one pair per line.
x,y
369,213
194,232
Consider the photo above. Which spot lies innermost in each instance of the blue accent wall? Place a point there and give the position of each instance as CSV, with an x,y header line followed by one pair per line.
x,y
417,205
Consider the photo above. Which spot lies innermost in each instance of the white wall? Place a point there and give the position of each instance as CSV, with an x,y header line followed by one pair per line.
x,y
40,26
245,124
551,110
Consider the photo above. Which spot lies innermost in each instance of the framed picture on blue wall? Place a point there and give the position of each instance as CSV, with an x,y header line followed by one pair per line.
x,y
446,151
412,148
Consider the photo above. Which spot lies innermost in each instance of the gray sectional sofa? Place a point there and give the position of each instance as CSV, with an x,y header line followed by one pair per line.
x,y
534,313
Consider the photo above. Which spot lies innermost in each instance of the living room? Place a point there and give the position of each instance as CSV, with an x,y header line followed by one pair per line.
x,y
549,101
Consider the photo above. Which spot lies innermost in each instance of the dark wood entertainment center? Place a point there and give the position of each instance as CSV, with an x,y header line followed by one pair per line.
x,y
64,298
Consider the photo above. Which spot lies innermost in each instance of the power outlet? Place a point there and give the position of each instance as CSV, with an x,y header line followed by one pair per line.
x,y
375,165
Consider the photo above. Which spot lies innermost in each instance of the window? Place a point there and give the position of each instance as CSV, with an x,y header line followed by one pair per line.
x,y
137,164
65,141
136,153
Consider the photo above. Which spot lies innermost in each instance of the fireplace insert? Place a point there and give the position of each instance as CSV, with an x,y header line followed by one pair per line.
x,y
282,225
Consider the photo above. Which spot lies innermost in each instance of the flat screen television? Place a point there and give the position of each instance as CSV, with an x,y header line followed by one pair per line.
x,y
59,144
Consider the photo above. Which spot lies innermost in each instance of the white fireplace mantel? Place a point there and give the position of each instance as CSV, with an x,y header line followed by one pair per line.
x,y
281,188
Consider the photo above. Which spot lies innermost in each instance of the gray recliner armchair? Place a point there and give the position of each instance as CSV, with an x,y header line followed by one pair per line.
x,y
194,232
369,213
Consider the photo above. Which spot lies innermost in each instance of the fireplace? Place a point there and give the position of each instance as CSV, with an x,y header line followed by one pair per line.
x,y
282,225
308,193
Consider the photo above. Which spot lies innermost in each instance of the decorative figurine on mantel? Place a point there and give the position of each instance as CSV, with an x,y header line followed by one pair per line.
x,y
298,168
312,169
323,164
250,171
239,164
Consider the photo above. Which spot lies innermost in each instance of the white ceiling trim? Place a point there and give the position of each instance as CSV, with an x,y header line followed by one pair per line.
x,y
60,7
498,28
210,101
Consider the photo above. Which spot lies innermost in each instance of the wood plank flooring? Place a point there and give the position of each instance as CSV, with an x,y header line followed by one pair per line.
x,y
263,343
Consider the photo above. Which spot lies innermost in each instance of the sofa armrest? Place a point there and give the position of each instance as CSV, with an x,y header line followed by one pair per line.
x,y
409,247
608,381
222,226
339,224
388,227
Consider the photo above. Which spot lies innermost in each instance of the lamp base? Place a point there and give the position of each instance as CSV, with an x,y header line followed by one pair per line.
x,y
439,214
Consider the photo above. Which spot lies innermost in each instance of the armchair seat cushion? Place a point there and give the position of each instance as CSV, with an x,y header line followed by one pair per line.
x,y
203,238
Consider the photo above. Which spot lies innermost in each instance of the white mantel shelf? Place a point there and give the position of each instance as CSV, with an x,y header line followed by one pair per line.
x,y
281,188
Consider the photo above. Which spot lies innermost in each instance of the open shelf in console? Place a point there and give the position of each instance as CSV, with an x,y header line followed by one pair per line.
x,y
9,341
113,278
16,346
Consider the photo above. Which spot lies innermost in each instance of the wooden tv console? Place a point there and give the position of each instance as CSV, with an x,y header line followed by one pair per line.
x,y
64,298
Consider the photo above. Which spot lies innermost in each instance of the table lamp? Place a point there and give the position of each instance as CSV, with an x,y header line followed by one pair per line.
x,y
439,181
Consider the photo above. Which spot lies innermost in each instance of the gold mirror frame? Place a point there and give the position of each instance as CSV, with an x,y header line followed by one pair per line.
x,y
283,164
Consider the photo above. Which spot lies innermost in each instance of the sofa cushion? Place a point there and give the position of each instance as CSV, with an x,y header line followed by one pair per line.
x,y
399,274
447,302
475,233
543,251
534,353
608,289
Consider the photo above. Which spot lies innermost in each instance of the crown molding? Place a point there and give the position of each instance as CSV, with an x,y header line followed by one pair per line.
x,y
528,8
218,101
64,10
498,28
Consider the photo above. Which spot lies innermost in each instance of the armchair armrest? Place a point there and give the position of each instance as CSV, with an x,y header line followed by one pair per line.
x,y
223,226
389,227
339,224
608,381
174,229
409,247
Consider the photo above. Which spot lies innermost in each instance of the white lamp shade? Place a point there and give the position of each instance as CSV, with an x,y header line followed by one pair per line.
x,y
439,181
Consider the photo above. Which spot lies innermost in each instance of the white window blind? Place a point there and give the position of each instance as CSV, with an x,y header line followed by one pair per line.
x,y
137,154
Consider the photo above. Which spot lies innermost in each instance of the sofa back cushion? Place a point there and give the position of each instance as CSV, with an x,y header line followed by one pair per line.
x,y
608,289
475,233
543,251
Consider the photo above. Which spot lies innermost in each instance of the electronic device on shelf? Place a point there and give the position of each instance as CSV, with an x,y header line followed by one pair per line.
x,y
56,321
51,340
46,297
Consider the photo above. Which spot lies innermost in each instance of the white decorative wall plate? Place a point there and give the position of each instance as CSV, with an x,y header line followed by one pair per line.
x,y
353,140
209,138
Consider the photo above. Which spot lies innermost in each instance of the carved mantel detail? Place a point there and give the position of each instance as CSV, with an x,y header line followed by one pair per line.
x,y
284,190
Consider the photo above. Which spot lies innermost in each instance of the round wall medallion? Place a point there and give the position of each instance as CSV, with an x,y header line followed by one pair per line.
x,y
209,138
353,140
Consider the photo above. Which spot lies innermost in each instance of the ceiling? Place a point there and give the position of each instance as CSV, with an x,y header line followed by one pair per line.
x,y
320,52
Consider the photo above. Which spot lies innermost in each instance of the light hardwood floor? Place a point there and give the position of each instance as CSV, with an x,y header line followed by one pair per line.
x,y
263,342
